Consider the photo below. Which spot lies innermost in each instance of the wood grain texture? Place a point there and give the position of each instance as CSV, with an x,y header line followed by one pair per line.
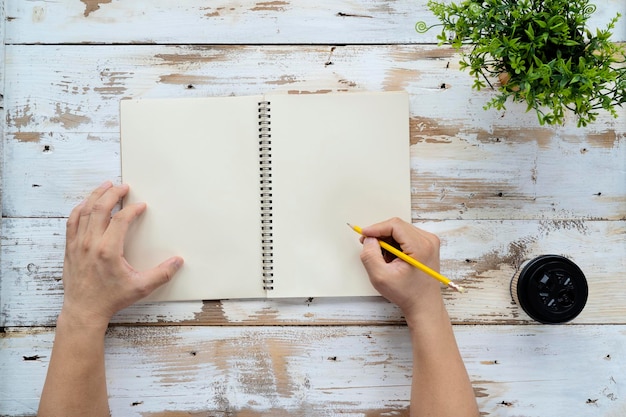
x,y
497,187
530,371
81,92
482,255
235,22
468,163
2,128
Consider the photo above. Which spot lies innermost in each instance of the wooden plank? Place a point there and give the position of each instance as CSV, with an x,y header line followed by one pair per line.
x,y
56,172
81,92
528,371
454,179
507,175
467,163
239,22
2,128
482,255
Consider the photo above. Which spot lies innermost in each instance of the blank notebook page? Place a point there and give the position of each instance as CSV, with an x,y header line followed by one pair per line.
x,y
336,158
195,163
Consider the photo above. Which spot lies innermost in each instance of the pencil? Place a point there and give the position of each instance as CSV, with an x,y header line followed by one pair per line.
x,y
411,261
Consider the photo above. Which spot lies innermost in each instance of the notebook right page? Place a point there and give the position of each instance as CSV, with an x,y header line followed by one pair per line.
x,y
336,158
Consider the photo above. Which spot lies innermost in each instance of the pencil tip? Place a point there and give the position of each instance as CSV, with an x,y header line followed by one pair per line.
x,y
349,225
456,287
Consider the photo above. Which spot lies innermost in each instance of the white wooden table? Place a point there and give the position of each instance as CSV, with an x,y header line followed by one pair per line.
x,y
497,187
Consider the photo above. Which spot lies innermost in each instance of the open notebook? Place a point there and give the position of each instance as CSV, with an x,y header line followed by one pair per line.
x,y
254,192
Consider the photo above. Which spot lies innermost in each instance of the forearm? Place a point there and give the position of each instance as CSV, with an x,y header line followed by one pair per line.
x,y
441,386
76,382
98,282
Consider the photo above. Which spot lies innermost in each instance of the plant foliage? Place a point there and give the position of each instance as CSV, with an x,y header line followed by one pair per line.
x,y
543,52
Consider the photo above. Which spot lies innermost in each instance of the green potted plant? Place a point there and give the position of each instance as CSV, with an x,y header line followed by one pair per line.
x,y
541,51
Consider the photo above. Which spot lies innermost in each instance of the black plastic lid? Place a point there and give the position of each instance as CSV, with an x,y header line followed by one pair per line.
x,y
551,289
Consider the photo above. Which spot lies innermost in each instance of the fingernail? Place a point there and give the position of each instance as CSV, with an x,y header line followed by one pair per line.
x,y
106,184
370,241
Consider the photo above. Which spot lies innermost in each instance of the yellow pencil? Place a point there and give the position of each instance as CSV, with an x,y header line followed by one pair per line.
x,y
406,258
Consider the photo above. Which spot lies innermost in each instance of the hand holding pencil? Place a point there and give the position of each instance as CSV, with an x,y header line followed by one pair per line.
x,y
402,282
440,385
413,262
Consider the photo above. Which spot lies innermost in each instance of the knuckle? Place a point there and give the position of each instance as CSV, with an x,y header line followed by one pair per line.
x,y
98,206
369,262
71,223
76,211
86,244
143,290
365,257
104,253
82,212
167,276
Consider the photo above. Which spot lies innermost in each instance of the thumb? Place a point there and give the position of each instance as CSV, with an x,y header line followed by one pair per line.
x,y
372,257
162,273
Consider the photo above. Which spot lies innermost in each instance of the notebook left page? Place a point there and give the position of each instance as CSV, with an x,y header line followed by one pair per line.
x,y
195,162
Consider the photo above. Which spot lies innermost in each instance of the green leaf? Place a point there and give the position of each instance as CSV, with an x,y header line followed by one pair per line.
x,y
530,32
556,63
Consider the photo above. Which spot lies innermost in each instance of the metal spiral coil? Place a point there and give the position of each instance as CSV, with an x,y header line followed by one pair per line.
x,y
265,169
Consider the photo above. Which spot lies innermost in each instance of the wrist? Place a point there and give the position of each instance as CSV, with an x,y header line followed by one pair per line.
x,y
84,321
430,311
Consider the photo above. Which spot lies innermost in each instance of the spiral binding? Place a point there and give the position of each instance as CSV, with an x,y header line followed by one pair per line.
x,y
265,168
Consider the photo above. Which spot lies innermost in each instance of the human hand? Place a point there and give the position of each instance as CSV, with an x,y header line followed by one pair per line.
x,y
97,279
412,290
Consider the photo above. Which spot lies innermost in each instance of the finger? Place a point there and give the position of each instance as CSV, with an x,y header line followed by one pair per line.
x,y
383,228
115,234
412,240
85,211
71,228
372,258
159,275
394,228
101,209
